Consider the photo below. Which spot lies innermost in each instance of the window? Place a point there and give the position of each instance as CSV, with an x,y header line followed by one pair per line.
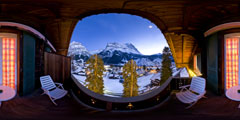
x,y
8,57
197,64
231,60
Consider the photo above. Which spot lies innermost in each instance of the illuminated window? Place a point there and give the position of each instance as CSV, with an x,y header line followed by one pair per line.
x,y
8,60
197,64
232,62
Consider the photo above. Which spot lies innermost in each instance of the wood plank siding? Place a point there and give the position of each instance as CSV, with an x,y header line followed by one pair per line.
x,y
57,66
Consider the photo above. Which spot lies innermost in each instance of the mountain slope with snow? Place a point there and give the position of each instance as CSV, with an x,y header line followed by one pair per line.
x,y
144,62
157,62
96,51
115,53
76,48
78,51
126,48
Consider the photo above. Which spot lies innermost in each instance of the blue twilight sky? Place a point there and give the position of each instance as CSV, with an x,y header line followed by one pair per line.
x,y
94,32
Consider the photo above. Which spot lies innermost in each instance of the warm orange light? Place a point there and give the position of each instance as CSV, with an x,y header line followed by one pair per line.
x,y
232,54
8,62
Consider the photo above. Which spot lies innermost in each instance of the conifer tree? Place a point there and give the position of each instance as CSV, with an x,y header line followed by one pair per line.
x,y
166,70
94,80
130,79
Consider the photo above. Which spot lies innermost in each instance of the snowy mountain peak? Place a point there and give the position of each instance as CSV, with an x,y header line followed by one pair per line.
x,y
126,48
77,48
77,45
96,51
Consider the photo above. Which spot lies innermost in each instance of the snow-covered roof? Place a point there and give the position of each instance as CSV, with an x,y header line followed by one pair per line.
x,y
156,76
182,72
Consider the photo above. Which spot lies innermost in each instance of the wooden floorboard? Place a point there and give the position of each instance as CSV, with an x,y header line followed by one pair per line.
x,y
36,107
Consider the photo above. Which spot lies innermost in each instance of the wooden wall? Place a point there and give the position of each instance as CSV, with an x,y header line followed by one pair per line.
x,y
57,66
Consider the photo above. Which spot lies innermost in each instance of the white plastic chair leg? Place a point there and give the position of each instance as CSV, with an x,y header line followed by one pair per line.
x,y
191,105
53,101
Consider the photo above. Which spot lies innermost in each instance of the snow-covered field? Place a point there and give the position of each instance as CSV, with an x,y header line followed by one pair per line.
x,y
113,88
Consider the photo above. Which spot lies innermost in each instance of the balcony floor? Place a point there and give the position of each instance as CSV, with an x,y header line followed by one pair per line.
x,y
36,106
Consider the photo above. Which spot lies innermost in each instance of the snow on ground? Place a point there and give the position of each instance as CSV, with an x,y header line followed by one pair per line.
x,y
113,88
80,78
144,81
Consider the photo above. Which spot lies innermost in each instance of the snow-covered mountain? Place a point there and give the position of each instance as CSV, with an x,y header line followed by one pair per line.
x,y
125,48
76,49
157,62
144,61
115,53
147,62
96,51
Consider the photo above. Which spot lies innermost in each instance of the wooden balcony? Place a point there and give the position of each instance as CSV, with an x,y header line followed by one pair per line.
x,y
36,106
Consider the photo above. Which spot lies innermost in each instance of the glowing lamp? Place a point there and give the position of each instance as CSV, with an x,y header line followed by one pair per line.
x,y
130,106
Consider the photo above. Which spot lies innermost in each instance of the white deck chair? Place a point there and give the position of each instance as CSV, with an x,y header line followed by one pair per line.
x,y
194,93
50,88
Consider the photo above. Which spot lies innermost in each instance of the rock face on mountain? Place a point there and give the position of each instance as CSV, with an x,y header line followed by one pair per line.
x,y
115,53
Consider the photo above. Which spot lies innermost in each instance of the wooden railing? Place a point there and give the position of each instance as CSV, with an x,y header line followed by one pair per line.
x,y
145,101
98,101
178,82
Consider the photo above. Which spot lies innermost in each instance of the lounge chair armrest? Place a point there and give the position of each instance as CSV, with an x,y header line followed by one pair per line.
x,y
201,95
59,85
184,86
45,91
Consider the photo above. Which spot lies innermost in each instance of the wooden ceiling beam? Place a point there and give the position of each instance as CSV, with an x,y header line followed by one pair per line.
x,y
168,36
177,19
